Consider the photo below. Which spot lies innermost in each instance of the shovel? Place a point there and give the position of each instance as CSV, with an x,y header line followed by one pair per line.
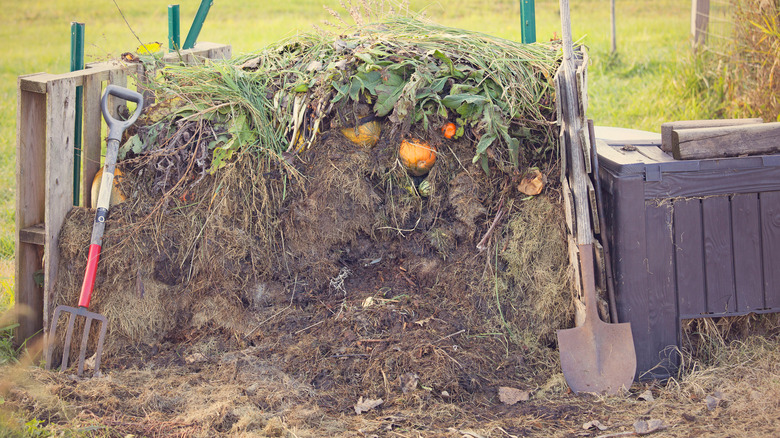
x,y
115,130
596,356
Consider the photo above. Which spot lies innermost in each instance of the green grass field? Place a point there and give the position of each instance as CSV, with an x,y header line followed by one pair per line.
x,y
634,89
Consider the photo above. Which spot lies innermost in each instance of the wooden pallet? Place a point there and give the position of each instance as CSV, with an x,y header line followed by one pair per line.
x,y
46,119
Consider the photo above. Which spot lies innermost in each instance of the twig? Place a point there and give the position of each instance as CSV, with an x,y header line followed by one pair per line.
x,y
613,435
482,245
313,325
129,27
450,335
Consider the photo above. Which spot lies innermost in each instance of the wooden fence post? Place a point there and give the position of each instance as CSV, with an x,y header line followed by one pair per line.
x,y
700,18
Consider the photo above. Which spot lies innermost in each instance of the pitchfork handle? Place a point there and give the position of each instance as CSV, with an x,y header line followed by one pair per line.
x,y
115,130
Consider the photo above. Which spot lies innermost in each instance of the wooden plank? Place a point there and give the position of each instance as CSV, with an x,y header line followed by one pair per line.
x,y
728,141
718,255
601,266
218,51
38,83
60,124
668,127
701,184
576,277
770,237
33,235
689,257
558,110
568,206
117,106
594,211
30,192
586,153
661,293
582,86
92,139
748,276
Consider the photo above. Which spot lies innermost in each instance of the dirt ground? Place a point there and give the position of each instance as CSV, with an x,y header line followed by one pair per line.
x,y
336,301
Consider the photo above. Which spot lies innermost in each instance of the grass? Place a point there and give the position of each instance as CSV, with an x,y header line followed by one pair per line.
x,y
629,89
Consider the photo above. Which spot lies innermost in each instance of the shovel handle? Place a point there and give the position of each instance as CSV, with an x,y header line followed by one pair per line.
x,y
115,126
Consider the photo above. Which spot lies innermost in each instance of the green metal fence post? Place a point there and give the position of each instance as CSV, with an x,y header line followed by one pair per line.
x,y
197,24
77,63
528,19
173,28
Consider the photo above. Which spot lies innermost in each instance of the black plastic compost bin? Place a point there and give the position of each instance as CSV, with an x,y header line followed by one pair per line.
x,y
689,239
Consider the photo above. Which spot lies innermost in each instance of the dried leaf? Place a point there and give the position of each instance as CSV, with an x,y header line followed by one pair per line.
x,y
366,405
646,396
250,64
409,382
594,423
510,396
711,402
644,427
532,185
422,322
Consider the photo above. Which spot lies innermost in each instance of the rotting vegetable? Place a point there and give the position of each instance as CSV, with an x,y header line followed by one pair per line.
x,y
365,135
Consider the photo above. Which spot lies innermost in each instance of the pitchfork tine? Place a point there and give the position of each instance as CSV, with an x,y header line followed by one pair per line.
x,y
84,340
68,340
101,338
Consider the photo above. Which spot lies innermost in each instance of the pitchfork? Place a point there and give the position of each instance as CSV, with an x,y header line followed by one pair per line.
x,y
115,130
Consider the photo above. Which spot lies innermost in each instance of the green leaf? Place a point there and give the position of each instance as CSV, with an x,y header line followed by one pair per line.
x,y
369,80
484,163
484,143
514,151
438,85
453,101
454,72
365,57
342,91
301,88
355,88
386,97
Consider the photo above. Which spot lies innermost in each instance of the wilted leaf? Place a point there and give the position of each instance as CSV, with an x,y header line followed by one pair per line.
x,y
366,405
532,185
409,382
510,396
422,322
644,427
250,63
594,423
711,402
646,396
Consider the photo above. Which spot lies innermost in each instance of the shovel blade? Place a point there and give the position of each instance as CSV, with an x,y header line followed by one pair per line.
x,y
598,357
73,313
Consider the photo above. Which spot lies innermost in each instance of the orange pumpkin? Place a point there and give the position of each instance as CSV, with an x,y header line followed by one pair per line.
x,y
449,130
117,196
417,156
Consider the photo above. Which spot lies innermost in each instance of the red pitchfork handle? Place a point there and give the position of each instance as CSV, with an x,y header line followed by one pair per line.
x,y
115,130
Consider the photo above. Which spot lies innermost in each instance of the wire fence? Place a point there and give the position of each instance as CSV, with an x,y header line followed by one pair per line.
x,y
719,33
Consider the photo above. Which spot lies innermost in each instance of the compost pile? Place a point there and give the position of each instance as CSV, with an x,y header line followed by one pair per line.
x,y
276,231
